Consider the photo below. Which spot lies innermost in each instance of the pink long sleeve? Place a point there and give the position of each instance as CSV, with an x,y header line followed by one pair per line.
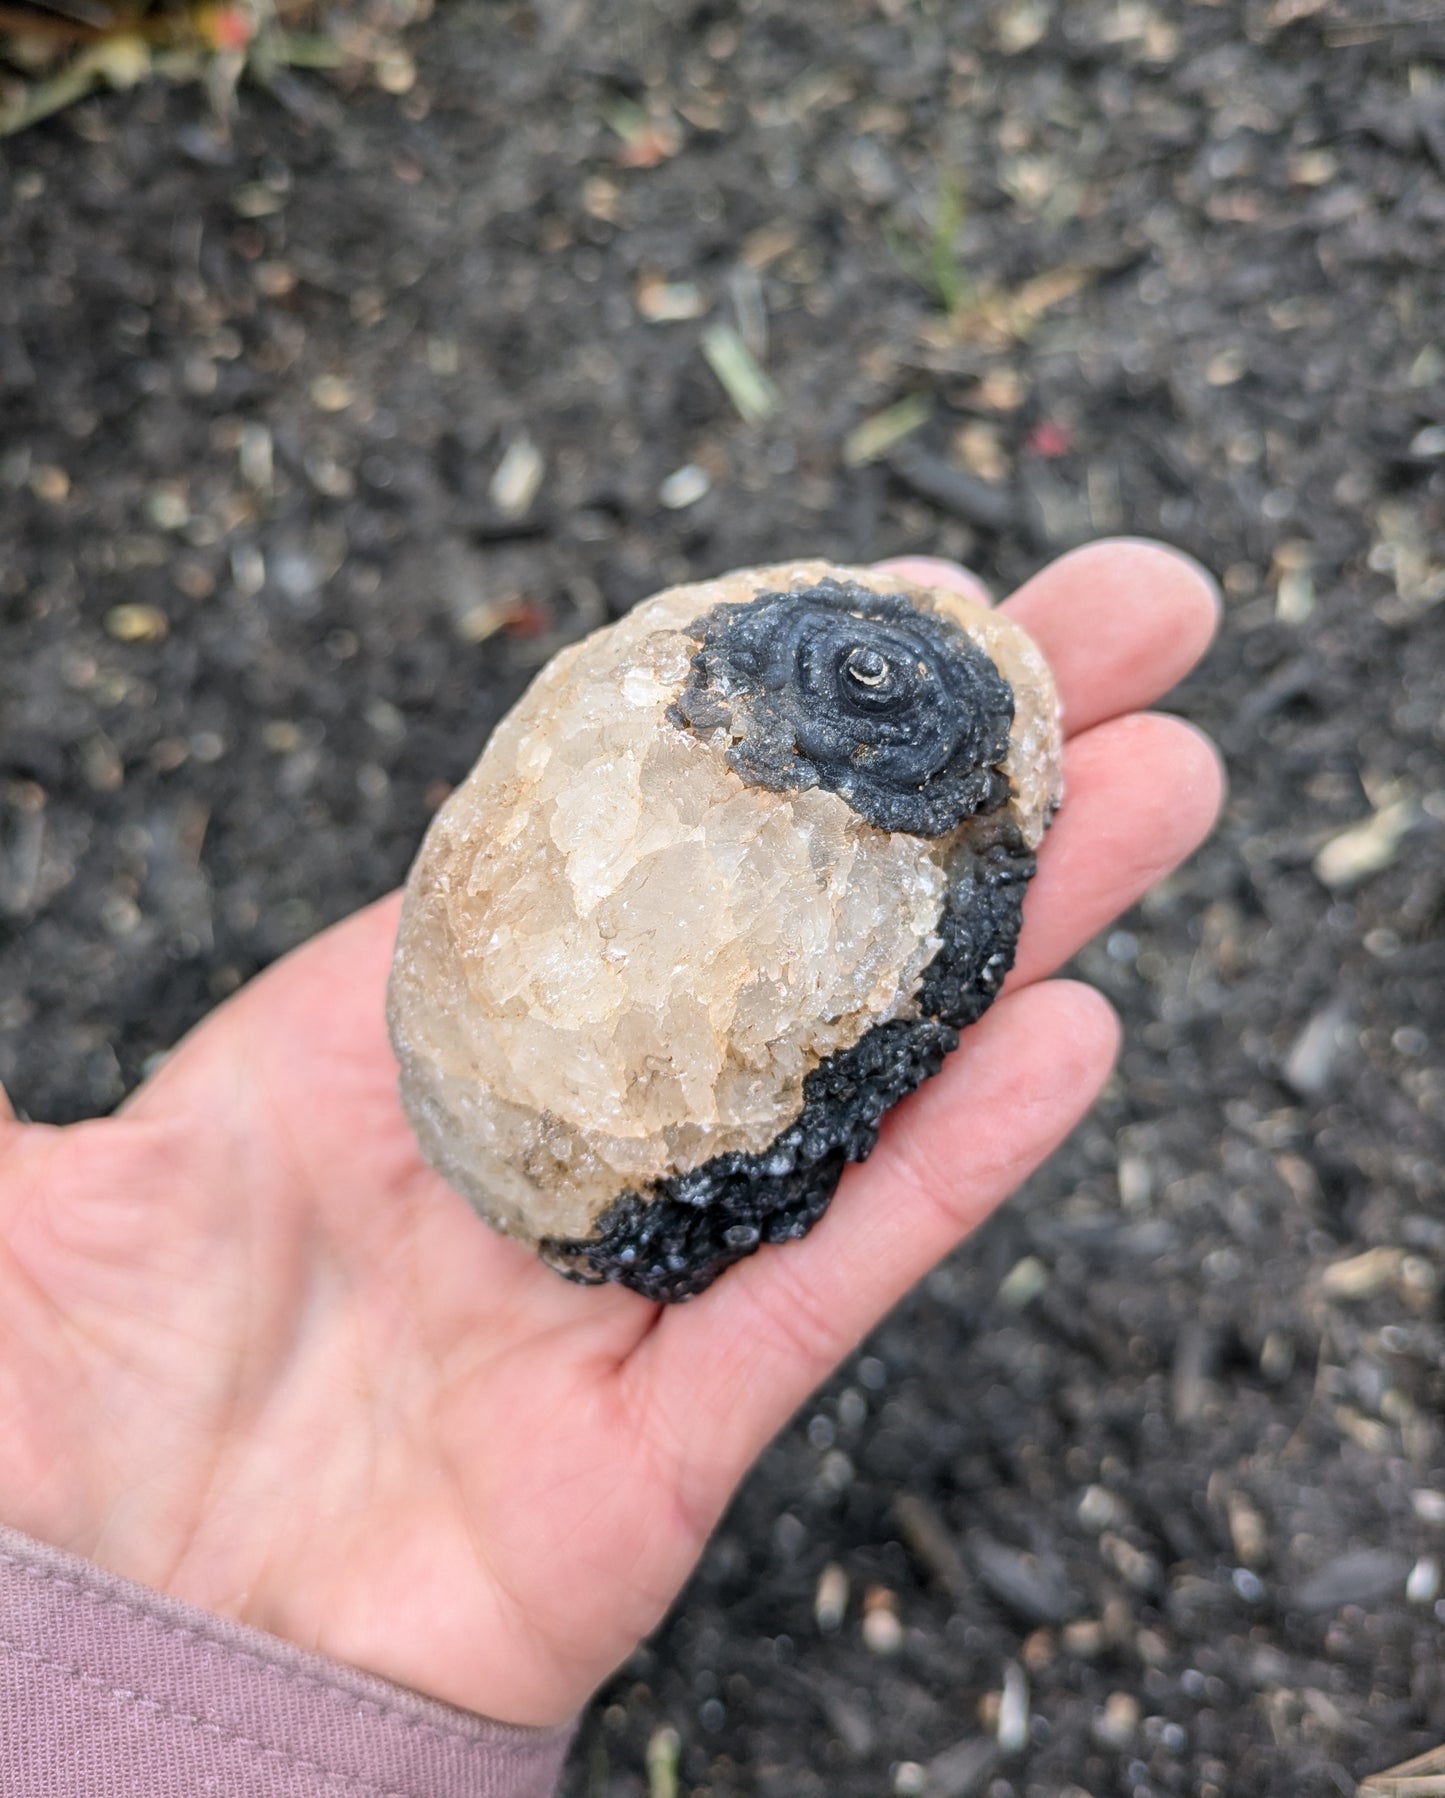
x,y
109,1690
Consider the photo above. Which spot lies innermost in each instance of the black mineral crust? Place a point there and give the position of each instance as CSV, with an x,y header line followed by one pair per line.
x,y
893,708
673,1240
902,715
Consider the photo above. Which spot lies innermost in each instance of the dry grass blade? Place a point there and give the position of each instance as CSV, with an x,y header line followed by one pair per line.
x,y
1010,317
872,438
730,359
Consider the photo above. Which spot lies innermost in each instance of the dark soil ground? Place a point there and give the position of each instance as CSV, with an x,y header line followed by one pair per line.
x,y
1137,1454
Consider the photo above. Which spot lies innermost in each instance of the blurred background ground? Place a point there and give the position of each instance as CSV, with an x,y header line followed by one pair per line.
x,y
318,433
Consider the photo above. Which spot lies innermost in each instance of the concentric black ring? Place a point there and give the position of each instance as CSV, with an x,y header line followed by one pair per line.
x,y
888,705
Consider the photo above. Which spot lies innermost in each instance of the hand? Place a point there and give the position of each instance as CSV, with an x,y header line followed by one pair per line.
x,y
257,1355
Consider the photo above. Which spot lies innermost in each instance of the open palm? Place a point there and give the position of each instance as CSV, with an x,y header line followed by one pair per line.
x,y
255,1354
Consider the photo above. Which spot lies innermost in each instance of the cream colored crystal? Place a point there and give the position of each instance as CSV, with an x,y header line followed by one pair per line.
x,y
617,960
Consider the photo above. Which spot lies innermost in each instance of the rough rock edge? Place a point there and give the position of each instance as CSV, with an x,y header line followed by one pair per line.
x,y
672,1241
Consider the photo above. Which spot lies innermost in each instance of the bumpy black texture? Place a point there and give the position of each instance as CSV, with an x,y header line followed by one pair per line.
x,y
673,1241
892,707
987,877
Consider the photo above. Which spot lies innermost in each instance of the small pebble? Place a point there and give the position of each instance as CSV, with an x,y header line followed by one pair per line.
x,y
830,1602
518,477
1428,1505
1310,1064
136,624
167,508
1294,597
1136,1182
1023,1283
1085,1639
1013,1710
852,1408
669,302
332,393
1098,1508
882,1628
1247,1531
255,455
120,914
1138,1569
1118,1722
684,487
50,483
1276,1357
1423,1584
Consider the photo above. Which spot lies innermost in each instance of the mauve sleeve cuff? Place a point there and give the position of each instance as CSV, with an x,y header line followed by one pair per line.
x,y
109,1690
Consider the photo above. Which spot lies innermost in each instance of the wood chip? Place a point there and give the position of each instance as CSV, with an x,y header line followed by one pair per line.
x,y
518,477
1421,1777
669,302
931,1542
136,624
1367,848
1362,1276
1002,317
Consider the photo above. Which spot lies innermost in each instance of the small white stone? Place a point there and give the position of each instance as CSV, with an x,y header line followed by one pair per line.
x,y
1423,1584
684,487
1013,1710
830,1603
518,476
882,1626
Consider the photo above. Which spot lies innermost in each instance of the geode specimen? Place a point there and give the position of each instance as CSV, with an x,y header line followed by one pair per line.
x,y
723,888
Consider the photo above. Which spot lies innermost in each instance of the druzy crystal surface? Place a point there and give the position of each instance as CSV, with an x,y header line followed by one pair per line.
x,y
721,889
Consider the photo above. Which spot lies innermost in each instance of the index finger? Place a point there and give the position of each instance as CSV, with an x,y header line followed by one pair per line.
x,y
1119,622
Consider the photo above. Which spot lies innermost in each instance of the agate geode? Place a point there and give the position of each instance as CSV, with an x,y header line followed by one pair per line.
x,y
723,888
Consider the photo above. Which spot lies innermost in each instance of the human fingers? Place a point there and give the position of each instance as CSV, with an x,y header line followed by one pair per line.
x,y
1141,794
933,571
1120,622
718,1377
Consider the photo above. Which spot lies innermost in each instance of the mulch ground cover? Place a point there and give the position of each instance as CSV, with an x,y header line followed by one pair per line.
x,y
319,430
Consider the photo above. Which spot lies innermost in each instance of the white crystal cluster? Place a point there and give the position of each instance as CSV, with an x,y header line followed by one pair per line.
x,y
618,961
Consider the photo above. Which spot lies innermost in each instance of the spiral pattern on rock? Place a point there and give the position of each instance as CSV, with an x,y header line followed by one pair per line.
x,y
864,694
